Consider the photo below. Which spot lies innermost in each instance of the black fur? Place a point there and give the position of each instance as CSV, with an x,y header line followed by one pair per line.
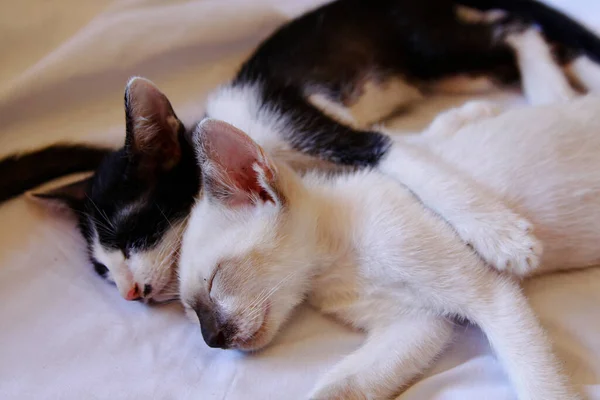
x,y
22,172
334,49
157,203
310,131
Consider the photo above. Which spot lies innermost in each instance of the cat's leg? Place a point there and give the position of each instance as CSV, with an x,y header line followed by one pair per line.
x,y
542,78
585,73
390,359
499,235
501,310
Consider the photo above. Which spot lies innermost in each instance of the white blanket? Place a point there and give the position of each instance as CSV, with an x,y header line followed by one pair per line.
x,y
66,334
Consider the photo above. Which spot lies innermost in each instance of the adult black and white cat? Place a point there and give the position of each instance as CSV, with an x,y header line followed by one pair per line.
x,y
354,60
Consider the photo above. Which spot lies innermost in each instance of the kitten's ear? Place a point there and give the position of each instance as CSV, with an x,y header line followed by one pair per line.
x,y
152,138
70,195
236,170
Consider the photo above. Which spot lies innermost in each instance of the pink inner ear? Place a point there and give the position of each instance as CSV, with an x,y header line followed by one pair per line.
x,y
237,157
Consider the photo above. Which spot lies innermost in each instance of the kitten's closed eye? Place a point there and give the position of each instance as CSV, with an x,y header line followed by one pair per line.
x,y
100,269
212,278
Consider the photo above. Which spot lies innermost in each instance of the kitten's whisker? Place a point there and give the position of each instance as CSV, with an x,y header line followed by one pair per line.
x,y
266,293
102,214
164,215
257,305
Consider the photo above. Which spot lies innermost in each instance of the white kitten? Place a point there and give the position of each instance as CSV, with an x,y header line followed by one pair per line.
x,y
363,248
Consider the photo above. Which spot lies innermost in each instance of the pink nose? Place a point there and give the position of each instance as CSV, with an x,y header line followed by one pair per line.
x,y
133,293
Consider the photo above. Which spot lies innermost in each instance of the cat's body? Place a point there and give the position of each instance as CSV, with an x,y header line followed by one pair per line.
x,y
356,60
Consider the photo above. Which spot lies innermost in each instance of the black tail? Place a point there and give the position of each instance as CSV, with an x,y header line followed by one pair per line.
x,y
310,131
22,172
557,26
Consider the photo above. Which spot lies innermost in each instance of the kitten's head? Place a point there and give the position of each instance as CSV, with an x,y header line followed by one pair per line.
x,y
133,209
241,267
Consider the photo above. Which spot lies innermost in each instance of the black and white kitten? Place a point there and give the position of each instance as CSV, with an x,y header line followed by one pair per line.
x,y
313,87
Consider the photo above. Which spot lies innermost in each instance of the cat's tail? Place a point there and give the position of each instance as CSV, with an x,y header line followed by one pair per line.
x,y
557,26
24,171
310,131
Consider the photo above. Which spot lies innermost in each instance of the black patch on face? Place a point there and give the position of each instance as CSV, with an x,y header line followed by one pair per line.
x,y
155,205
147,290
158,203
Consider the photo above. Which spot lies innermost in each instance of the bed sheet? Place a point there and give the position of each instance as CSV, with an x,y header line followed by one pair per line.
x,y
65,334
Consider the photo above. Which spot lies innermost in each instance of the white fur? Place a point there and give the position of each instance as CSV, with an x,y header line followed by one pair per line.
x,y
542,79
542,163
241,107
499,235
119,273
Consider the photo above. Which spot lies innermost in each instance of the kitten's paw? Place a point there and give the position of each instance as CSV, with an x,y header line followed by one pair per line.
x,y
509,245
449,122
476,110
521,36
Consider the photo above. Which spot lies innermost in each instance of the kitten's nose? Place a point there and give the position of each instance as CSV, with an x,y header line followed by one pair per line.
x,y
133,293
215,340
212,331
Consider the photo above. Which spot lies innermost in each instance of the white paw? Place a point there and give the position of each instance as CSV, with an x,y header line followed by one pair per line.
x,y
508,244
449,122
476,110
520,38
